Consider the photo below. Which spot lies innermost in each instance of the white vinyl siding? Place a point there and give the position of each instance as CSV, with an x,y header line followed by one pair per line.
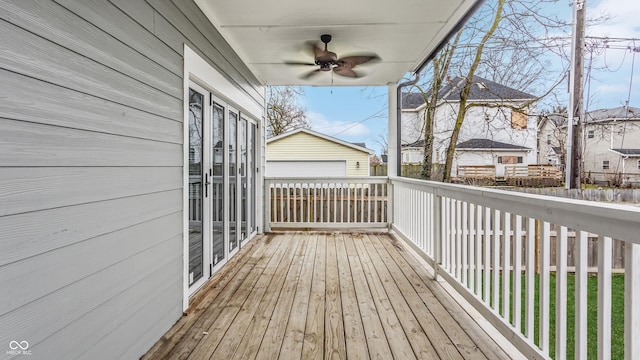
x,y
318,168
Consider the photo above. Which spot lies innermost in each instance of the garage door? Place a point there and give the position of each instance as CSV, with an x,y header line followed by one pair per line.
x,y
320,168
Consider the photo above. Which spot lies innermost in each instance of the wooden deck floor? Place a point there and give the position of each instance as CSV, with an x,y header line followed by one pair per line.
x,y
315,295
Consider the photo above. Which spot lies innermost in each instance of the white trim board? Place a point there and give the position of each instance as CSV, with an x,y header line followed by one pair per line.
x,y
202,72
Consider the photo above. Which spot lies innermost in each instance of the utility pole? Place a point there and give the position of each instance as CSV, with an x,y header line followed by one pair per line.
x,y
575,124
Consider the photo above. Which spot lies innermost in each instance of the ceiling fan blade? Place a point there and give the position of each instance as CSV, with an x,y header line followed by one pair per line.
x,y
345,71
310,74
352,61
299,63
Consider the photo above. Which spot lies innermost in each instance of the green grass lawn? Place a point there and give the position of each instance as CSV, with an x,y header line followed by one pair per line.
x,y
617,315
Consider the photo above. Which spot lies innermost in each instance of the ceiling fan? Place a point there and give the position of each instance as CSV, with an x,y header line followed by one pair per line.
x,y
328,61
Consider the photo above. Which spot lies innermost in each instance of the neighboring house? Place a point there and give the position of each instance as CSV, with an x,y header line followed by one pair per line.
x,y
611,152
551,139
490,123
306,153
489,152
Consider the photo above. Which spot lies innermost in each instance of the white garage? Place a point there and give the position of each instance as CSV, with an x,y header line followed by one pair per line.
x,y
306,153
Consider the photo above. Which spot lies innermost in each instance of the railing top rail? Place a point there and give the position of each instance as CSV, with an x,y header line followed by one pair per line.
x,y
330,180
615,220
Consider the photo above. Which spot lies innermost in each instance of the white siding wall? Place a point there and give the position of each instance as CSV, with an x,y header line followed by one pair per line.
x,y
91,161
465,158
476,126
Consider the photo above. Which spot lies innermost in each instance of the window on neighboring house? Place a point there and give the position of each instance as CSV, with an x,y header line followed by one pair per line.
x,y
509,159
520,159
638,164
548,138
605,165
590,134
518,120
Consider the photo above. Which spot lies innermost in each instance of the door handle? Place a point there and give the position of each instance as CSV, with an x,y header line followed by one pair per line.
x,y
206,185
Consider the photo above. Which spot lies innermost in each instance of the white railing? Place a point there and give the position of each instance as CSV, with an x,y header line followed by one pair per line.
x,y
326,202
495,248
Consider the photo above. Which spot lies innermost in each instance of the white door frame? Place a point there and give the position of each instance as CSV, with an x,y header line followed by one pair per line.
x,y
200,71
206,204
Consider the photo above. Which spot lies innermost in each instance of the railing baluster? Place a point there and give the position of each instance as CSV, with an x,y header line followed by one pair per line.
x,y
530,288
581,245
451,216
506,265
631,300
368,203
517,273
487,256
479,211
472,247
561,294
375,203
495,268
465,244
342,186
362,196
442,239
281,202
545,258
437,233
458,258
604,298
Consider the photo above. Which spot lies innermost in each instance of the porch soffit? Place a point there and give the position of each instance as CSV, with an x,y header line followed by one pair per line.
x,y
403,33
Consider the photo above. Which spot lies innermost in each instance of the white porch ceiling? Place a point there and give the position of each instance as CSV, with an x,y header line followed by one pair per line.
x,y
267,33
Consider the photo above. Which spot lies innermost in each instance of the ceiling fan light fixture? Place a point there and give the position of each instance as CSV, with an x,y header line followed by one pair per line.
x,y
325,66
329,61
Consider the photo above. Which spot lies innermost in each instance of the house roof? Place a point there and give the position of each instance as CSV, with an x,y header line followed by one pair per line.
x,y
266,34
619,113
627,152
486,144
482,89
412,100
419,143
322,136
475,144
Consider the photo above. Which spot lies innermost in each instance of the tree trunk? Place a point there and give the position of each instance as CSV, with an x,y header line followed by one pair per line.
x,y
464,93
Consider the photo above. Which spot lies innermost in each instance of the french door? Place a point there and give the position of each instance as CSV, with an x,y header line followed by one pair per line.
x,y
222,171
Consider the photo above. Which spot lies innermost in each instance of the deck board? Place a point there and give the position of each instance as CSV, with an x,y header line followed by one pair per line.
x,y
325,295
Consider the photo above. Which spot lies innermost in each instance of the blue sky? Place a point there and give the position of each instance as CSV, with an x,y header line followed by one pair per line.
x,y
357,114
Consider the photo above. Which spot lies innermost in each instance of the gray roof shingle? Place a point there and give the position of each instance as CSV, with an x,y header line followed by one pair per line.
x,y
488,144
482,89
630,152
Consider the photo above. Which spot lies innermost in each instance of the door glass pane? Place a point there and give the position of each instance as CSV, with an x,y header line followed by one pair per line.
x,y
217,186
251,168
195,186
243,179
233,120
